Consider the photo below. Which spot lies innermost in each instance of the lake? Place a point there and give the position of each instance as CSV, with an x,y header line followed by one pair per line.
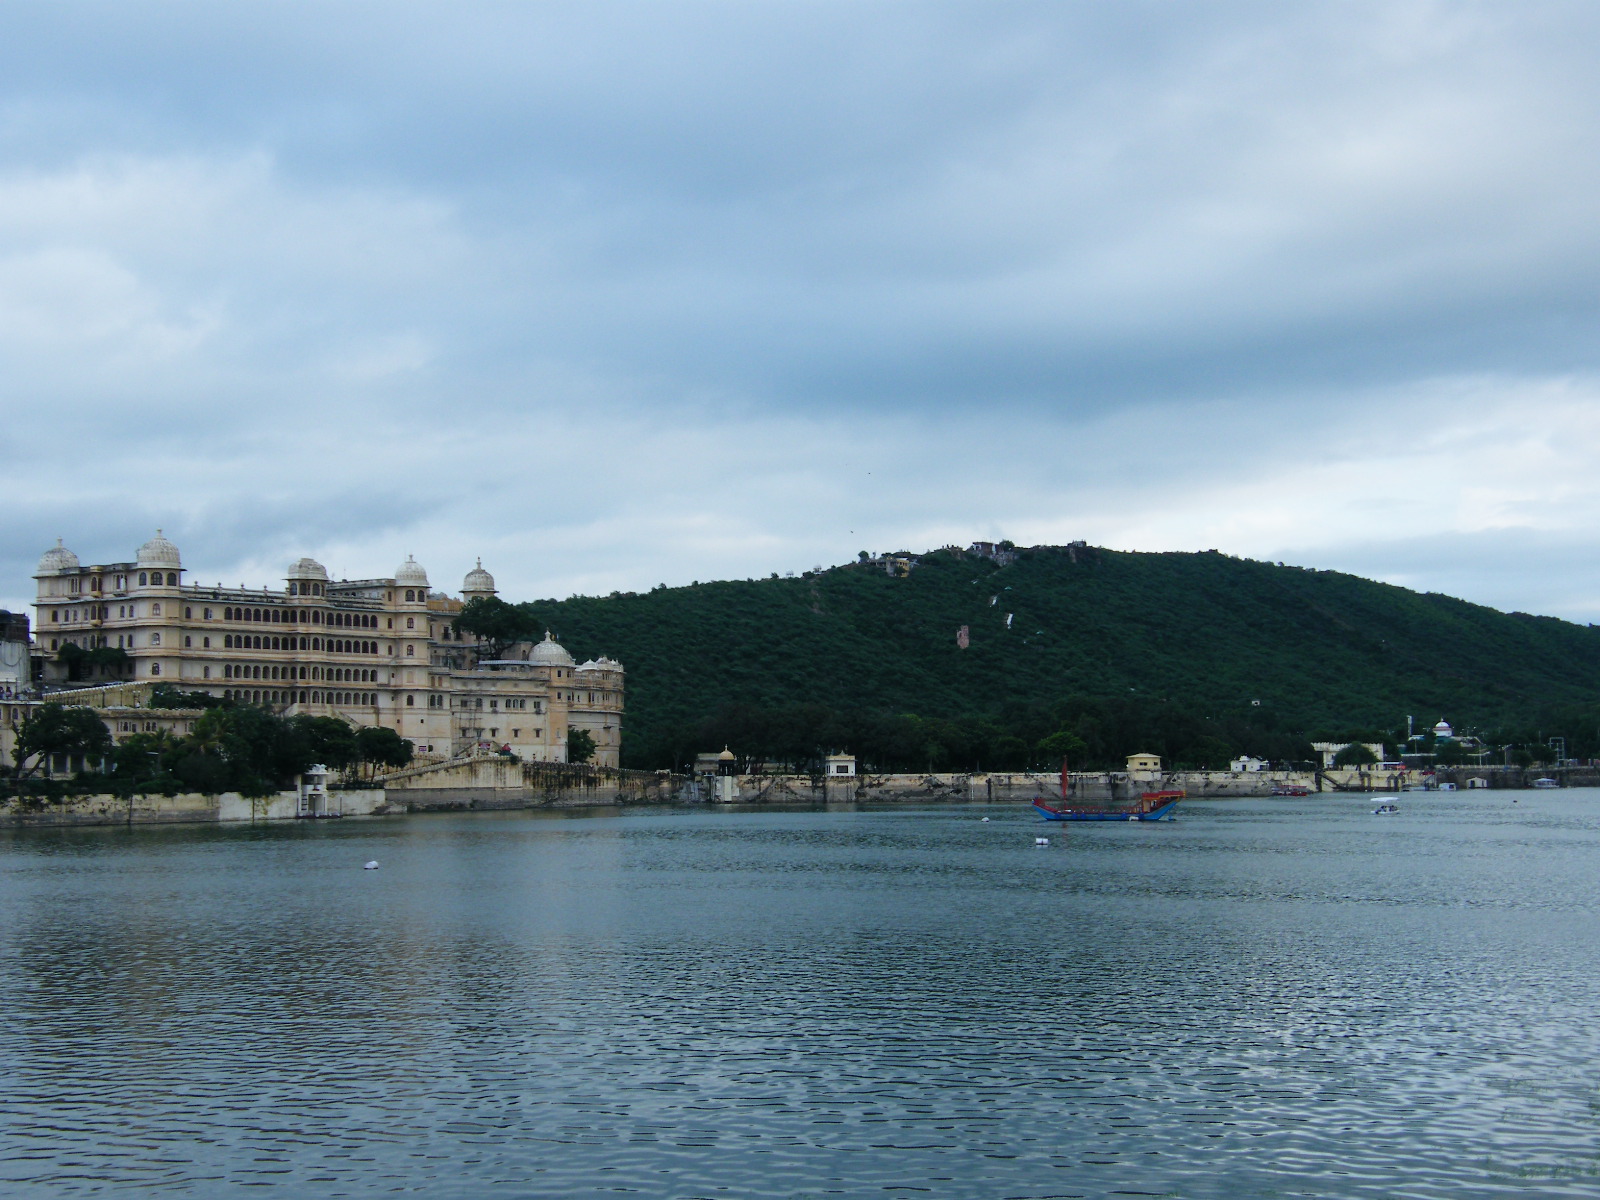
x,y
1263,998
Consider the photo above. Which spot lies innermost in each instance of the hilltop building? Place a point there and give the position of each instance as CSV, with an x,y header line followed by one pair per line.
x,y
376,652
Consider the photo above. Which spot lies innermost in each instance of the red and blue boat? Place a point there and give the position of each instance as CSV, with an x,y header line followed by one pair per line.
x,y
1151,806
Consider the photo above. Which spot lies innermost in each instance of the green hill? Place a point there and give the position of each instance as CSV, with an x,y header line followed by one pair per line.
x,y
1203,652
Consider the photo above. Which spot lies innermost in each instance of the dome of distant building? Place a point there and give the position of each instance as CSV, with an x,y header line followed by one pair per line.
x,y
56,559
308,568
159,552
410,573
478,580
1442,729
550,653
725,756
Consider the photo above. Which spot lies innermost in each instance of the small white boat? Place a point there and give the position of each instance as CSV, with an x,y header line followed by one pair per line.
x,y
1544,783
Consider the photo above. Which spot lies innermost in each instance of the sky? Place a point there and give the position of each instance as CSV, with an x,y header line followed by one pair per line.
x,y
614,295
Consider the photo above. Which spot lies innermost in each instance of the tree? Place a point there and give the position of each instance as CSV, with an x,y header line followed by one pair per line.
x,y
1356,754
580,745
382,747
264,751
496,624
1062,746
56,729
164,695
332,742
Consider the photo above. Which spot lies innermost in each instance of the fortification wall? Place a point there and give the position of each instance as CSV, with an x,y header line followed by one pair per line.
x,y
106,809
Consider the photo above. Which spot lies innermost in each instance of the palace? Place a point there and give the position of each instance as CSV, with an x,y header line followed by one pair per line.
x,y
372,651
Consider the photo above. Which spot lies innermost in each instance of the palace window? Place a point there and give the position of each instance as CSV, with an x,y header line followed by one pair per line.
x,y
188,613
411,622
155,668
411,701
155,610
144,578
155,639
172,579
206,643
188,642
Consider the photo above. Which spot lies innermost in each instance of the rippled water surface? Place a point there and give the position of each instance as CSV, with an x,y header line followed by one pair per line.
x,y
1263,998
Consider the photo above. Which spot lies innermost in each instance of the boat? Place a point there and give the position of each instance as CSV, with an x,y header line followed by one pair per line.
x,y
1290,789
1151,806
1385,808
1546,782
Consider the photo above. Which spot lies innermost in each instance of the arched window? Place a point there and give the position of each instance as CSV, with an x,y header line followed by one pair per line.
x,y
411,651
155,639
188,641
143,578
155,610
294,589
411,622
410,702
155,668
172,579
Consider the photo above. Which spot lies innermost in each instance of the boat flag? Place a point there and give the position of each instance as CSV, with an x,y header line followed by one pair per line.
x,y
962,639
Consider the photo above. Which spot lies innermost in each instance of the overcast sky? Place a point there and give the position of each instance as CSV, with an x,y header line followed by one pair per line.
x,y
615,295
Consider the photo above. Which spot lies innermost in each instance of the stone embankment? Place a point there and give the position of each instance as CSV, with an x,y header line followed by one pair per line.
x,y
492,782
106,809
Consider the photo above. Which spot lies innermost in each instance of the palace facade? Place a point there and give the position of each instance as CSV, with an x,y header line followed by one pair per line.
x,y
372,651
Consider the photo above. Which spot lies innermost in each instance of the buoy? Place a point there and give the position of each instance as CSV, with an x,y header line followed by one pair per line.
x,y
985,820
1041,841
371,866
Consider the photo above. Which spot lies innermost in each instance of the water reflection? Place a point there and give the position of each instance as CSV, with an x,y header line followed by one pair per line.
x,y
1265,998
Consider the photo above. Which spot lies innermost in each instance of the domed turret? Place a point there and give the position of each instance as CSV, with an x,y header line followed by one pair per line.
x,y
410,573
1442,729
309,568
550,653
57,560
477,583
158,552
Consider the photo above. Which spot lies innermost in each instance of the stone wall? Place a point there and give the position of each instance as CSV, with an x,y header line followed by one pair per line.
x,y
105,809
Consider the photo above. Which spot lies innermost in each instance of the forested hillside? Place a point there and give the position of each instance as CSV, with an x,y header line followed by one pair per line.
x,y
1191,655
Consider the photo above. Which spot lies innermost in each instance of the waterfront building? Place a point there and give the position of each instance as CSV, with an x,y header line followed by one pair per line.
x,y
374,652
1144,766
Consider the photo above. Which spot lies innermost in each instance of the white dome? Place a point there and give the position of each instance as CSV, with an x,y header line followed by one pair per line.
x,y
1442,729
56,559
158,552
308,568
550,653
411,573
478,580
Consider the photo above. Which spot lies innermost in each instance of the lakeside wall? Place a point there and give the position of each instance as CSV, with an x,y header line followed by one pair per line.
x,y
185,807
491,783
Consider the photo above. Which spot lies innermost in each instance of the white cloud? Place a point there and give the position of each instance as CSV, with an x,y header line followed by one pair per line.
x,y
731,291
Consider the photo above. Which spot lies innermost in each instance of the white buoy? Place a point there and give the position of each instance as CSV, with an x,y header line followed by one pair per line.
x,y
985,820
1041,841
371,866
